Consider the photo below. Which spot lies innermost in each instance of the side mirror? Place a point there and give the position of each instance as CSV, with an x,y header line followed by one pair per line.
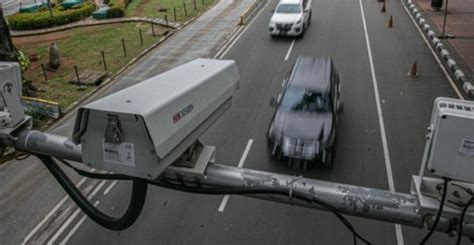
x,y
340,107
272,11
273,102
306,11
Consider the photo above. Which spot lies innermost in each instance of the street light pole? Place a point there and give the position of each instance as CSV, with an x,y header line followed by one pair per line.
x,y
445,16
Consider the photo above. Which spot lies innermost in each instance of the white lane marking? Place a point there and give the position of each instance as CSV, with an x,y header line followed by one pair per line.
x,y
223,203
388,164
453,85
241,33
289,50
110,187
246,152
59,127
74,215
74,229
60,203
241,163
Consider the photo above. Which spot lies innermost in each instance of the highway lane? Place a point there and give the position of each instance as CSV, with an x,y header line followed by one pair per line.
x,y
174,218
408,101
359,161
244,220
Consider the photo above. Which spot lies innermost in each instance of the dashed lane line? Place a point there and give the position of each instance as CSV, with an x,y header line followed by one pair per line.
x,y
225,200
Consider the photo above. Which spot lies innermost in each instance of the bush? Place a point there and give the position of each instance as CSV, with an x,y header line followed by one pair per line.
x,y
115,12
27,21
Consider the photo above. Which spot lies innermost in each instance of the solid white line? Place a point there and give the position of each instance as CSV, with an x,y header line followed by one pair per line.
x,y
388,164
74,229
74,215
59,127
453,85
246,152
241,163
60,203
223,203
110,187
241,33
289,50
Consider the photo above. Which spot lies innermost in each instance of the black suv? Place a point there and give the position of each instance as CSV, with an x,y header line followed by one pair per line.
x,y
305,121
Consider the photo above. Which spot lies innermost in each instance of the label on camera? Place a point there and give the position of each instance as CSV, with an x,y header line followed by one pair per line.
x,y
467,147
123,153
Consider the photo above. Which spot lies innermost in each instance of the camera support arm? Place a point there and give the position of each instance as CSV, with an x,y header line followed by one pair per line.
x,y
371,203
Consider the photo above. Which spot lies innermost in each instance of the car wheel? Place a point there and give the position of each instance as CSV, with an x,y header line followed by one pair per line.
x,y
309,20
329,161
302,33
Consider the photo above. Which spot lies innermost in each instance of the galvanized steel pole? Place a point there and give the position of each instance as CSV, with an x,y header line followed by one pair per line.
x,y
353,200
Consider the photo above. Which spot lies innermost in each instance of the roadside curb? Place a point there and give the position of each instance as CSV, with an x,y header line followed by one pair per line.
x,y
444,54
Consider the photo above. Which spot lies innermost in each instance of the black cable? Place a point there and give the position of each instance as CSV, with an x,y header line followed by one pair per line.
x,y
224,191
438,215
134,209
462,219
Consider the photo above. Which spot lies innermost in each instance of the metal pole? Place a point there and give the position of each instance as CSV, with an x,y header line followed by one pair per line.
x,y
77,74
393,207
152,29
141,37
103,59
44,73
166,20
124,48
194,3
48,144
174,14
185,10
443,35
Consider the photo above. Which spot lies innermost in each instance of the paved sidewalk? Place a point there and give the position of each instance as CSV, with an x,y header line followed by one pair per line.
x,y
460,24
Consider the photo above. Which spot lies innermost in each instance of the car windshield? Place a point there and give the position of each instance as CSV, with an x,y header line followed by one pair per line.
x,y
288,9
300,100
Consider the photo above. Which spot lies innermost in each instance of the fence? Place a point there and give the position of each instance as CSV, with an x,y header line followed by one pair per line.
x,y
180,11
66,84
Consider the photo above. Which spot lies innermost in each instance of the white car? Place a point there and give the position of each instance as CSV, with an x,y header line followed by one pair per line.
x,y
291,18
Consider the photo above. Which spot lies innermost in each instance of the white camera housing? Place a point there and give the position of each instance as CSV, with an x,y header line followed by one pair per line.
x,y
141,130
451,153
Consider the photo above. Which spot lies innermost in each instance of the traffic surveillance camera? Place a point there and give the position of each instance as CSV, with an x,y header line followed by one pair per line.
x,y
451,139
141,130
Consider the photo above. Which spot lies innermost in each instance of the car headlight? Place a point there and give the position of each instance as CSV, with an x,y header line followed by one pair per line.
x,y
299,21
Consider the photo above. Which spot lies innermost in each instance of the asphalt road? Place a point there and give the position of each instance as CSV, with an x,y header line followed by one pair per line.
x,y
363,157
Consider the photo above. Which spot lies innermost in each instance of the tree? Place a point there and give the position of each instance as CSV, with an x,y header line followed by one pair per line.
x,y
50,9
8,51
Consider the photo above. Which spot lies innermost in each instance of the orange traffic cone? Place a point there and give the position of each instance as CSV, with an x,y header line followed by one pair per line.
x,y
390,22
383,8
413,71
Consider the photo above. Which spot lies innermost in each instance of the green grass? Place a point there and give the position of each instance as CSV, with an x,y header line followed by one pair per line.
x,y
149,8
82,47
